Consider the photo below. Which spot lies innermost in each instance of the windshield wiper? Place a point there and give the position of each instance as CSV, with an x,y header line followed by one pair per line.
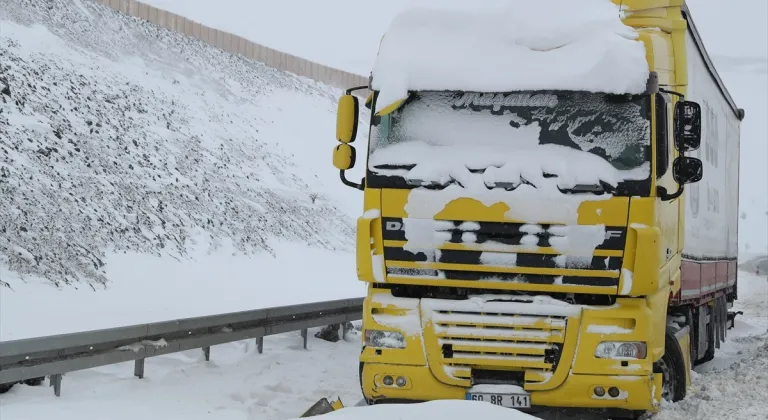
x,y
408,166
432,185
598,189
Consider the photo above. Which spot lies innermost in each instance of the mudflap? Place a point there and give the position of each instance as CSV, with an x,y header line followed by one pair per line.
x,y
323,406
683,337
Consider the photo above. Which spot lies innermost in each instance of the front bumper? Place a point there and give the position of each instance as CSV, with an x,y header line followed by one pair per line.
x,y
577,391
449,345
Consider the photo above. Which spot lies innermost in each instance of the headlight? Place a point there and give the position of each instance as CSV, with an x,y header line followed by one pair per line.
x,y
384,339
621,350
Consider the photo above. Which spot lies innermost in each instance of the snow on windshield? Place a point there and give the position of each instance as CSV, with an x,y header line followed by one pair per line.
x,y
487,141
528,45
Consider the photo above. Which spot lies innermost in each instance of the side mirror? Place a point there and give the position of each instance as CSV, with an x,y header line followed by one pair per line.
x,y
687,170
687,126
344,157
346,119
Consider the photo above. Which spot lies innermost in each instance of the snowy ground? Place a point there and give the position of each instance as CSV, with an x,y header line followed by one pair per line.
x,y
103,95
281,383
128,152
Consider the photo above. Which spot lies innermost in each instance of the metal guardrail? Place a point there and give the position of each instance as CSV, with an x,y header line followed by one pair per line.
x,y
58,354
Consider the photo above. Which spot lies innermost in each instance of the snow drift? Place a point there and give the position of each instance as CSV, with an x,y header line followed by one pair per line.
x,y
446,409
120,136
581,45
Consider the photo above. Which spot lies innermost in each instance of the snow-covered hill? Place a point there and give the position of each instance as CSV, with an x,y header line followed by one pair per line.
x,y
119,135
127,149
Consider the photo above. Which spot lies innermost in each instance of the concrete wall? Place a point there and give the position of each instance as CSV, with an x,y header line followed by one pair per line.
x,y
239,45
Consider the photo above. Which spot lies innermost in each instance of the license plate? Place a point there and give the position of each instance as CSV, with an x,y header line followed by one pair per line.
x,y
504,400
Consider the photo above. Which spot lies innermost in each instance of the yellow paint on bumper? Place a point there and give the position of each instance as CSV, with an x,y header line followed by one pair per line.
x,y
637,392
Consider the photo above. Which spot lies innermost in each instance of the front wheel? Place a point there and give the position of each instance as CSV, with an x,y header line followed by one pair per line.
x,y
672,368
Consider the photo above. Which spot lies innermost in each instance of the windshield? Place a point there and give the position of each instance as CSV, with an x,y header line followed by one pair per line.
x,y
587,141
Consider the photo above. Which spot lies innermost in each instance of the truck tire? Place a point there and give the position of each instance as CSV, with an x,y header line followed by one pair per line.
x,y
672,368
710,353
34,381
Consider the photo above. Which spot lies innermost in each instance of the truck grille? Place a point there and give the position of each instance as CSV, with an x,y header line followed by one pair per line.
x,y
501,338
502,252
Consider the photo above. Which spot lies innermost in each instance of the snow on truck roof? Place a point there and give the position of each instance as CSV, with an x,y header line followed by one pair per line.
x,y
522,45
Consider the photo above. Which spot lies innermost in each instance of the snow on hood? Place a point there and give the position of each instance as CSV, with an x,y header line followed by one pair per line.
x,y
529,45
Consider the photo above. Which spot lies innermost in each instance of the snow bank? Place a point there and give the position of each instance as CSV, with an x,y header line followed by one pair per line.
x,y
448,410
118,136
145,288
551,44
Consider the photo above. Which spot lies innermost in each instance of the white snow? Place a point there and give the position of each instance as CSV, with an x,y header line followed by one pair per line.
x,y
146,288
524,157
284,381
626,285
153,178
275,25
448,409
548,44
607,329
445,143
344,40
526,305
501,259
136,347
409,323
577,240
733,386
238,383
425,234
377,263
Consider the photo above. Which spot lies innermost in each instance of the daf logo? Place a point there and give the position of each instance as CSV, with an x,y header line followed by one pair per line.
x,y
612,234
393,226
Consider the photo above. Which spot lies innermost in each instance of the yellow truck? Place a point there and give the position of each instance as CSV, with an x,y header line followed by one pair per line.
x,y
601,294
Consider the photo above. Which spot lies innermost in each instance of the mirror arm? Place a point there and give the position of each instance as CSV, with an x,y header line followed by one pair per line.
x,y
662,193
672,92
350,90
349,183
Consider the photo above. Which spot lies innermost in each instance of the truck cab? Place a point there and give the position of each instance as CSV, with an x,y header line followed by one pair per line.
x,y
524,247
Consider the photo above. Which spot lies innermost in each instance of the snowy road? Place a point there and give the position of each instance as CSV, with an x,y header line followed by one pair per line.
x,y
239,383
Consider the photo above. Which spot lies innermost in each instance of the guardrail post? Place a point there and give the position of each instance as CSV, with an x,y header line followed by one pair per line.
x,y
260,344
56,384
304,337
138,368
207,353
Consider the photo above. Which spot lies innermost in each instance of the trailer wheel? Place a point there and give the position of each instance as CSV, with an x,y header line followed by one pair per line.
x,y
710,330
672,368
34,381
